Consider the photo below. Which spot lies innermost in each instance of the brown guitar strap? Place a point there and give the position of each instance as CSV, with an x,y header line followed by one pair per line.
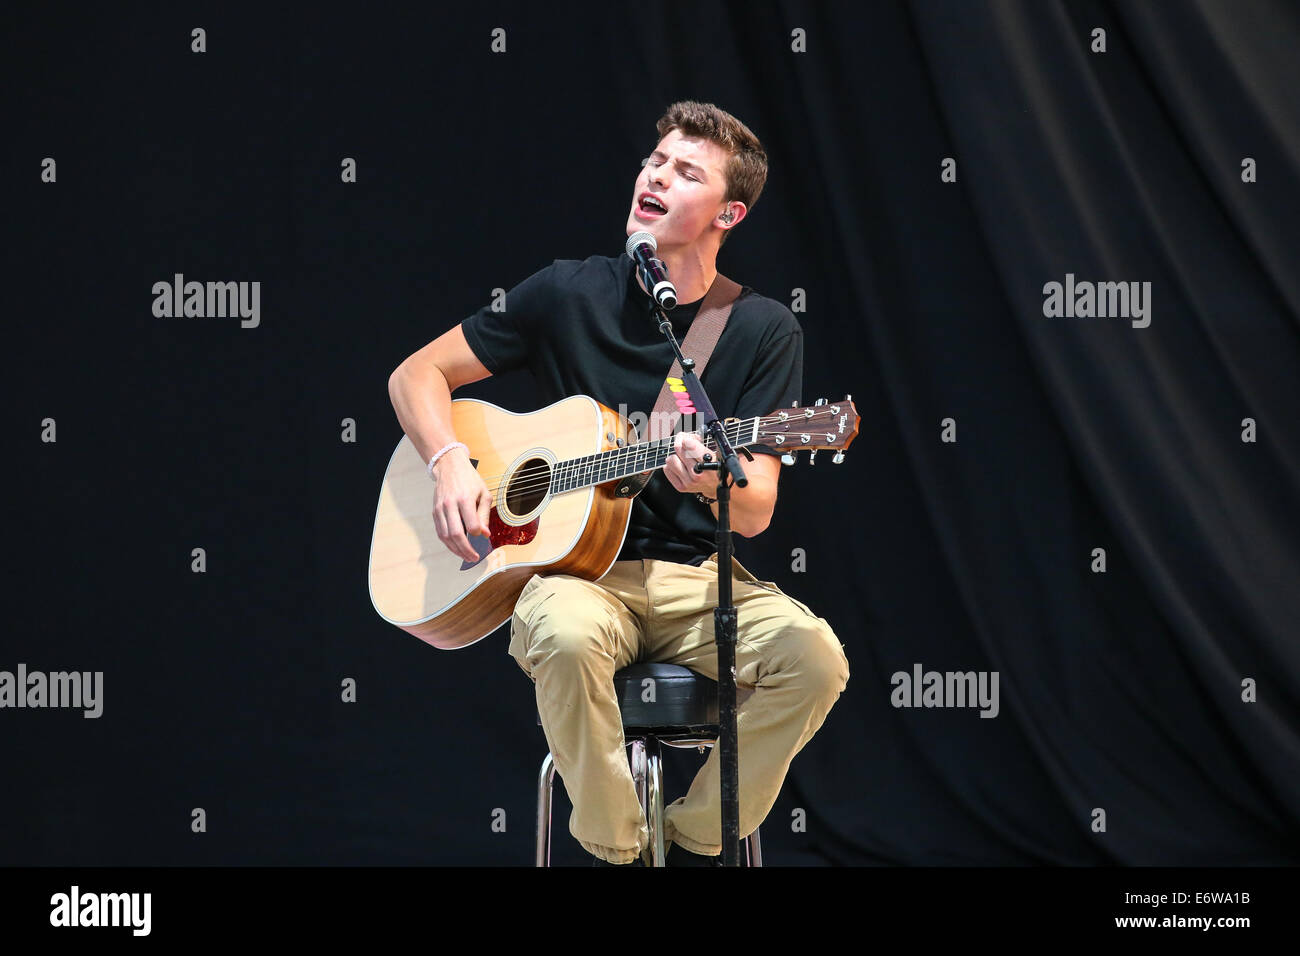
x,y
701,337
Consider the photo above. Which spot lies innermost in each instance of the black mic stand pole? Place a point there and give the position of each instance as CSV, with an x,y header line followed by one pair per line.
x,y
724,615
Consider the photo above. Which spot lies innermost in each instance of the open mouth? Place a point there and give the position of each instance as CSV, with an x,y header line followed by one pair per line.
x,y
648,207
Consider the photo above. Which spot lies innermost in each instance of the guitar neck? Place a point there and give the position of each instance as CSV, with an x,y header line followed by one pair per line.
x,y
629,460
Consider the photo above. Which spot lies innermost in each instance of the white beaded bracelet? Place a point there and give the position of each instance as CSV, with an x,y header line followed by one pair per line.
x,y
442,451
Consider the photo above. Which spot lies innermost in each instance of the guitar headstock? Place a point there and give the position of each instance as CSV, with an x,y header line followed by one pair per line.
x,y
813,428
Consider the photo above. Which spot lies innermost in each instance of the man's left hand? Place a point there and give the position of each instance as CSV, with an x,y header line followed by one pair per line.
x,y
680,467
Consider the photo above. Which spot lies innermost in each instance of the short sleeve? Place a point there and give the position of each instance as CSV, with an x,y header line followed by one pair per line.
x,y
504,338
776,381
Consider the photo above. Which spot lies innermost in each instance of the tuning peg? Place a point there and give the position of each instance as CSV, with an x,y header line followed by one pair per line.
x,y
788,458
820,401
812,457
839,457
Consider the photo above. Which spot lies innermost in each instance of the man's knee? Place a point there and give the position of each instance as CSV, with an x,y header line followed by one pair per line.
x,y
556,621
819,657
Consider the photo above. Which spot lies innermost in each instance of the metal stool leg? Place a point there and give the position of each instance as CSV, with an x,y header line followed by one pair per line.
x,y
654,811
648,774
639,770
545,779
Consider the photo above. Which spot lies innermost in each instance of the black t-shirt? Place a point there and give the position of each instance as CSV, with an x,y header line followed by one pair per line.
x,y
582,328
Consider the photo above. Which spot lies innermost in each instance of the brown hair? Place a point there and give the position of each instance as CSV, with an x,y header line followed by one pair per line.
x,y
746,167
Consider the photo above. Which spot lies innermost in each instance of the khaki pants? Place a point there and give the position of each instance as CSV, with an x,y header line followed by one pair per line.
x,y
570,636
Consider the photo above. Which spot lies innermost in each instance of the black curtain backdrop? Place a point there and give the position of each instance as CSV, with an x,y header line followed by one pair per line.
x,y
1162,691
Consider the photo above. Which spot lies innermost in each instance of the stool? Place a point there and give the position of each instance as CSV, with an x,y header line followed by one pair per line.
x,y
682,712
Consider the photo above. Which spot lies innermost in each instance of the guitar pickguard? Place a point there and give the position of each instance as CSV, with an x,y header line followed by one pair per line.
x,y
499,534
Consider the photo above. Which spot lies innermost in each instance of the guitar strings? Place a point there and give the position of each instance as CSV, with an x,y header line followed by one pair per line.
x,y
541,476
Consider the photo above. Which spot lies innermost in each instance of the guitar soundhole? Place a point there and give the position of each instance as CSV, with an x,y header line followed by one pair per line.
x,y
528,486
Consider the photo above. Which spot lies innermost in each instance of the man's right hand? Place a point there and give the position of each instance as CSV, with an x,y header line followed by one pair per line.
x,y
461,503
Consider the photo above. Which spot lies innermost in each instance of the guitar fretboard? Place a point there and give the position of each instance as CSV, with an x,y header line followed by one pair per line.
x,y
631,460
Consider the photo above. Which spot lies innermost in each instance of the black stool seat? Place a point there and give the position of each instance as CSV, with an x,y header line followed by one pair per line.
x,y
665,699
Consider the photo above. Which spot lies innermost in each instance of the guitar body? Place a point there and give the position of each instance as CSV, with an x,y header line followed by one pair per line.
x,y
420,586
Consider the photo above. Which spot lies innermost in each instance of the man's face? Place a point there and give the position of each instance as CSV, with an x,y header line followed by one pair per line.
x,y
686,175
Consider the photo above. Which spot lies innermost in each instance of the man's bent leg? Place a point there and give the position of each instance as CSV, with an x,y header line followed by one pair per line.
x,y
792,659
570,636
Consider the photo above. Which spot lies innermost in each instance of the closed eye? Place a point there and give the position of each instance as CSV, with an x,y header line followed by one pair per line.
x,y
658,161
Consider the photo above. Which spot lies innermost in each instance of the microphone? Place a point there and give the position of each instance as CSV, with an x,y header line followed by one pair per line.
x,y
641,248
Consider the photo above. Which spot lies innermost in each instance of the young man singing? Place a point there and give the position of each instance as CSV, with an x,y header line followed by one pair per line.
x,y
582,327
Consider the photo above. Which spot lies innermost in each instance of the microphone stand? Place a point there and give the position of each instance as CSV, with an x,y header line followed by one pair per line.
x,y
724,615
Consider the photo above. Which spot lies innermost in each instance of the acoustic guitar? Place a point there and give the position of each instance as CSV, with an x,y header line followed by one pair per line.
x,y
562,479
